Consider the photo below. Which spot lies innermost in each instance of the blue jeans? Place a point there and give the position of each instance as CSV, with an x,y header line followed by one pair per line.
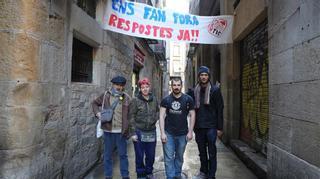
x,y
112,141
206,140
144,151
173,151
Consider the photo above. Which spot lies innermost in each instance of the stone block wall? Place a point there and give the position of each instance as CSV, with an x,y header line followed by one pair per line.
x,y
294,66
47,129
34,98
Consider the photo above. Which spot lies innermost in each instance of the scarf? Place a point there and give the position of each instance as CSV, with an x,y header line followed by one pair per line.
x,y
116,93
197,91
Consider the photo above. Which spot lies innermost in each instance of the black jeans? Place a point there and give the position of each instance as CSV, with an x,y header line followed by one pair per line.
x,y
206,140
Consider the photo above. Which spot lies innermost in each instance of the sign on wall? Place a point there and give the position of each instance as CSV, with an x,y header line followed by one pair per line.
x,y
138,57
141,20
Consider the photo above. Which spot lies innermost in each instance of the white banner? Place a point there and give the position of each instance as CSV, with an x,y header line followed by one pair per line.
x,y
141,20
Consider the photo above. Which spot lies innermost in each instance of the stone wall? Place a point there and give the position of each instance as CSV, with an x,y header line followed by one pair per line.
x,y
46,124
294,140
34,99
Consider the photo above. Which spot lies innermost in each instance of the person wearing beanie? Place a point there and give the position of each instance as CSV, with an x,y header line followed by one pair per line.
x,y
116,131
143,116
203,69
209,122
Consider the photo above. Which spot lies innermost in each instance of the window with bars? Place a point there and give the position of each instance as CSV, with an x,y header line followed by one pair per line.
x,y
89,6
82,58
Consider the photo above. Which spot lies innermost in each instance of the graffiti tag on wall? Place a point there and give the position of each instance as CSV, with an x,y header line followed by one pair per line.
x,y
255,101
254,91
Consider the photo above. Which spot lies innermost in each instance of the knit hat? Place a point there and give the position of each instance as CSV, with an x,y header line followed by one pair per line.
x,y
119,80
203,69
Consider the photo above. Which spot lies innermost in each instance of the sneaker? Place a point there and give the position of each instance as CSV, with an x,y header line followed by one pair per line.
x,y
200,175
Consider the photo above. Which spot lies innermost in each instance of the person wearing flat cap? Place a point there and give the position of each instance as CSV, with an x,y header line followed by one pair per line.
x,y
209,121
116,132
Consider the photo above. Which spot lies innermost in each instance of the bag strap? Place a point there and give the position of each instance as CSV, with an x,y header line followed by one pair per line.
x,y
114,104
104,96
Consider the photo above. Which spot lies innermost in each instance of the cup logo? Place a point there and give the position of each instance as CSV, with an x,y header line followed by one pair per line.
x,y
217,27
175,105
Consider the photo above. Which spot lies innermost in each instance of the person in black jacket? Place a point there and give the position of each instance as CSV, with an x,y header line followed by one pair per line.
x,y
209,122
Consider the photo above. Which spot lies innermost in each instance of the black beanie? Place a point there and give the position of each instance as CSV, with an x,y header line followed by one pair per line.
x,y
203,69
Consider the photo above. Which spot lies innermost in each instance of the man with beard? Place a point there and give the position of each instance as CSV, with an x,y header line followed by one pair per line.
x,y
116,131
209,122
174,128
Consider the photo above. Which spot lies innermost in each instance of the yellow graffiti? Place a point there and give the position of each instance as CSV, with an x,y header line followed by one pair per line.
x,y
255,99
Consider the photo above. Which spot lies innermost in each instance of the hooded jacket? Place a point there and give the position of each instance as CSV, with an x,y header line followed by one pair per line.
x,y
143,113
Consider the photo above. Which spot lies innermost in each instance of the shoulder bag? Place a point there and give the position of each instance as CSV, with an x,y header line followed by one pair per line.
x,y
107,113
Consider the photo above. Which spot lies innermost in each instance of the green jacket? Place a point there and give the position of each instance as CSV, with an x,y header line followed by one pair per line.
x,y
143,114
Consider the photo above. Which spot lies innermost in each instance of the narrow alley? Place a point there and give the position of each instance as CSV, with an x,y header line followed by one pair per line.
x,y
229,165
251,69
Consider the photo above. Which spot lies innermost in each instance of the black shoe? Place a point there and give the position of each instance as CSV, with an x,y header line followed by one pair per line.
x,y
150,176
141,176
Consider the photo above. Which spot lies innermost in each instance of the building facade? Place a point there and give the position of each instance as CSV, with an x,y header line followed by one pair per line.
x,y
55,59
177,62
269,79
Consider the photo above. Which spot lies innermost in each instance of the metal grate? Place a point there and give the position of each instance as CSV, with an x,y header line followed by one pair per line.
x,y
254,89
89,6
82,56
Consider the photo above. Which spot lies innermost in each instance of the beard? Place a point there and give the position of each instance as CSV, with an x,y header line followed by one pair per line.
x,y
176,91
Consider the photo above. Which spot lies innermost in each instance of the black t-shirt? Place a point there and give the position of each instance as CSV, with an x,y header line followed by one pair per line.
x,y
177,110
